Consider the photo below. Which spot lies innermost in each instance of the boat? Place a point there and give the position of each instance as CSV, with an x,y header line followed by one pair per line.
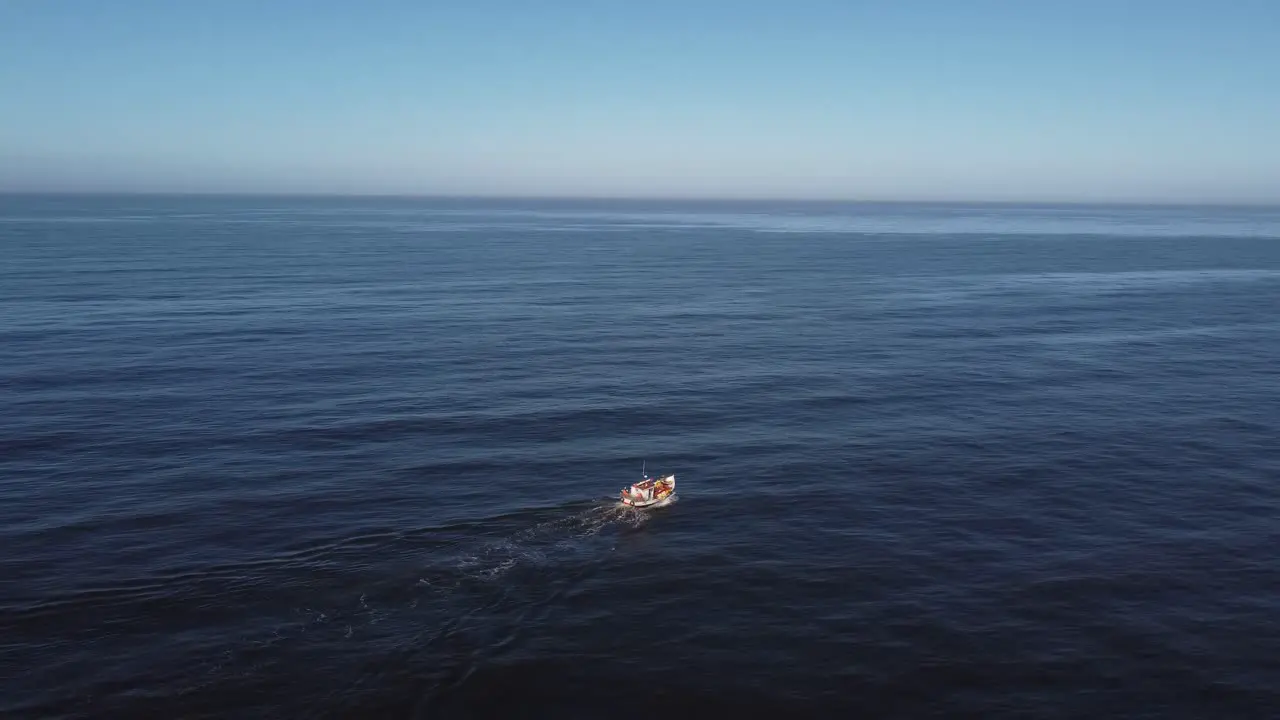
x,y
649,491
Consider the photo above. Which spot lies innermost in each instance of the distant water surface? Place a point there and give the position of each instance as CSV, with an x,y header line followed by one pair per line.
x,y
357,457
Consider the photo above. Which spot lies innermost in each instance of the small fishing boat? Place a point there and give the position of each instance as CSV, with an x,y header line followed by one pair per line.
x,y
649,491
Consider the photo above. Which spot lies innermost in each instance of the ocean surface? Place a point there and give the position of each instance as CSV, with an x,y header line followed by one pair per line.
x,y
360,458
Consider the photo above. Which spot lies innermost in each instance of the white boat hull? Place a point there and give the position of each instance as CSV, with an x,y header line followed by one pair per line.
x,y
650,492
662,502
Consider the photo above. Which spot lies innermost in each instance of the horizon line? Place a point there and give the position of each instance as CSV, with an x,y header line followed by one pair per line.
x,y
642,198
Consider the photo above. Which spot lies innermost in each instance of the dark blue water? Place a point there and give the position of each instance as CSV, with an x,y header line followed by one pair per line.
x,y
273,458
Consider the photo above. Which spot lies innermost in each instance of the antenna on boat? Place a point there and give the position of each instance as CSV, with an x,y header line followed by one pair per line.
x,y
642,475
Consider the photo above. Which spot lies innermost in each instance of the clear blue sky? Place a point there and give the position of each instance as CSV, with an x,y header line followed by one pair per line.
x,y
955,99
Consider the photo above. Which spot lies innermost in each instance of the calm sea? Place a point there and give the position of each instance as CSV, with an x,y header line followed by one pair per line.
x,y
326,457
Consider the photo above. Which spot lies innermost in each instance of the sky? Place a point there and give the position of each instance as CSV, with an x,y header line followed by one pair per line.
x,y
1079,100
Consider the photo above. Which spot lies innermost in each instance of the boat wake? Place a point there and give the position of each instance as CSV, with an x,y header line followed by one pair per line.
x,y
467,584
559,539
